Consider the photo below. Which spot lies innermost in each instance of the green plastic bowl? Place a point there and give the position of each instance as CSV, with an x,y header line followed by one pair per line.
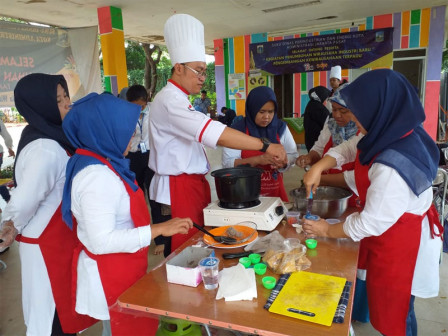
x,y
311,243
269,282
260,268
254,258
245,261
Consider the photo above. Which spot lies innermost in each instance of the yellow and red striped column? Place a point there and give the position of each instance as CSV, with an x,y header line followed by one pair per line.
x,y
112,46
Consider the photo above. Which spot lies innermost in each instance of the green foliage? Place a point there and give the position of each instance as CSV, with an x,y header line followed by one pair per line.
x,y
209,85
7,172
445,61
135,56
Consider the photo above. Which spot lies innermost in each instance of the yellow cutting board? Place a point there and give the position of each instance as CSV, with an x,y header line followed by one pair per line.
x,y
309,296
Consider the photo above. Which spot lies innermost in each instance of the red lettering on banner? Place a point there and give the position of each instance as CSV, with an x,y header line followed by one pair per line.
x,y
21,61
13,76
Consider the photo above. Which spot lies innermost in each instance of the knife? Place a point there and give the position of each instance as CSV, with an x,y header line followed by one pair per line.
x,y
309,205
239,255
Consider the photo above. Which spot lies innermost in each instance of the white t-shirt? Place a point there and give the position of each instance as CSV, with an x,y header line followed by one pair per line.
x,y
178,134
40,175
388,198
100,204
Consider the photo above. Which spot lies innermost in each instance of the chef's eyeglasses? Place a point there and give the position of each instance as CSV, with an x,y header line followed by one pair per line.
x,y
198,73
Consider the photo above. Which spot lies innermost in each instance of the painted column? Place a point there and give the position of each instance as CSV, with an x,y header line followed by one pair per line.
x,y
434,64
112,46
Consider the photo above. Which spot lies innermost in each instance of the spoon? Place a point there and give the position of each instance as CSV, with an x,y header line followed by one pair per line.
x,y
219,239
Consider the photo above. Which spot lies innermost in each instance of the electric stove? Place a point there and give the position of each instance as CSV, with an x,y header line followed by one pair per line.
x,y
267,214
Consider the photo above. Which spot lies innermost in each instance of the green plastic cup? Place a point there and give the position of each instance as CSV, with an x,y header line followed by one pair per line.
x,y
311,243
260,268
245,261
254,258
269,282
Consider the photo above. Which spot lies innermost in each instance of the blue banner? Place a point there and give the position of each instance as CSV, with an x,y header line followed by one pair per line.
x,y
319,53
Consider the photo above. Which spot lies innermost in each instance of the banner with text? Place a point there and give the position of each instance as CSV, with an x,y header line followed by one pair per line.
x,y
29,49
361,49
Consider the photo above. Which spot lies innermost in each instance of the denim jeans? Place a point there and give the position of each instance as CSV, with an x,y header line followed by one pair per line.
x,y
411,320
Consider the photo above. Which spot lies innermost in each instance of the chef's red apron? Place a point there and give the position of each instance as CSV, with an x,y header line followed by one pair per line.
x,y
57,243
346,166
390,262
118,271
190,194
271,179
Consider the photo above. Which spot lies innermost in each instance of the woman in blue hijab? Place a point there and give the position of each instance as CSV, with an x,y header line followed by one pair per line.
x,y
399,229
261,121
112,218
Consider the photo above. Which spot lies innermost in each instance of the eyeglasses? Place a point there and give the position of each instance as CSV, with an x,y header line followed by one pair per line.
x,y
198,74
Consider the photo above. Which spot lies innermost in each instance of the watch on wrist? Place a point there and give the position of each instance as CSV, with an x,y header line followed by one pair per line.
x,y
266,144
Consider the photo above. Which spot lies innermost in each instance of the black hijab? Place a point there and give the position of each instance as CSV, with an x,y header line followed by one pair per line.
x,y
35,98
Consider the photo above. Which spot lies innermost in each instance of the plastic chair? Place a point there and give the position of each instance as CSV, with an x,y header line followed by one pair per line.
x,y
176,327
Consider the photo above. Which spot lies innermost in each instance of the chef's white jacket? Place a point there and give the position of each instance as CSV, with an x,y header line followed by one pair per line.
x,y
100,204
178,134
388,198
40,175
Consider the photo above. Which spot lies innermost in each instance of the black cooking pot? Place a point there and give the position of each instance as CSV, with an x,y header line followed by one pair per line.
x,y
238,185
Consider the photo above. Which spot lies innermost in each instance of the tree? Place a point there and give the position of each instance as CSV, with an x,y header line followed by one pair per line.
x,y
152,58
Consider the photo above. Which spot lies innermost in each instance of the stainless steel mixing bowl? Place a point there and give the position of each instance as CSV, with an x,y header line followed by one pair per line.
x,y
328,202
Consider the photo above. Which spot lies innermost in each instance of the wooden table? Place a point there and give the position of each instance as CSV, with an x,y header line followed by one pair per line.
x,y
153,294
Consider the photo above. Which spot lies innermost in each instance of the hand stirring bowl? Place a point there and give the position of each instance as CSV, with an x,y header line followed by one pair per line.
x,y
219,239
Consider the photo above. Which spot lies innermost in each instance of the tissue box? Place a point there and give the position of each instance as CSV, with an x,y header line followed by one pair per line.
x,y
183,269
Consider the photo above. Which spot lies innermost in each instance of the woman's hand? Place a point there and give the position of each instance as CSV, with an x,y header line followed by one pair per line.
x,y
317,228
8,233
172,227
278,152
303,161
311,180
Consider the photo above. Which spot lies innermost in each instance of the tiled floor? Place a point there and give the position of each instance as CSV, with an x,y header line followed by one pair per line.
x,y
432,313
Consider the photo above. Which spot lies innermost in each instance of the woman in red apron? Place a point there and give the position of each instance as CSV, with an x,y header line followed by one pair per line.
x,y
112,218
261,121
46,244
396,162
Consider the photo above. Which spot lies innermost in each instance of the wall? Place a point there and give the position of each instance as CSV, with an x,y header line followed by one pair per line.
x,y
422,28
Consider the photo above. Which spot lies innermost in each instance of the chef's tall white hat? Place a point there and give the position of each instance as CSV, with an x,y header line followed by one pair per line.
x,y
184,37
335,72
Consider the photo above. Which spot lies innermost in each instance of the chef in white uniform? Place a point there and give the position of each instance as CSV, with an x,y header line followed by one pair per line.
x,y
179,133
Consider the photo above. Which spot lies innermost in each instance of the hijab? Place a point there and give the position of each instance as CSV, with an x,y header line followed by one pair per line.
x,y
339,134
319,94
103,124
388,107
35,97
254,102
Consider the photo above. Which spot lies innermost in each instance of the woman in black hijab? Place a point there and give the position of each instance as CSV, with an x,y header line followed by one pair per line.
x,y
315,114
34,212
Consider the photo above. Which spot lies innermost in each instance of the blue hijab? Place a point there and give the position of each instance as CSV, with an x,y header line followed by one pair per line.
x,y
388,107
103,124
254,102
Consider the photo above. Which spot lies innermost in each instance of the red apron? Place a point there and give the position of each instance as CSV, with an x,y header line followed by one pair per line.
x,y
57,243
190,194
390,262
271,179
345,167
118,271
